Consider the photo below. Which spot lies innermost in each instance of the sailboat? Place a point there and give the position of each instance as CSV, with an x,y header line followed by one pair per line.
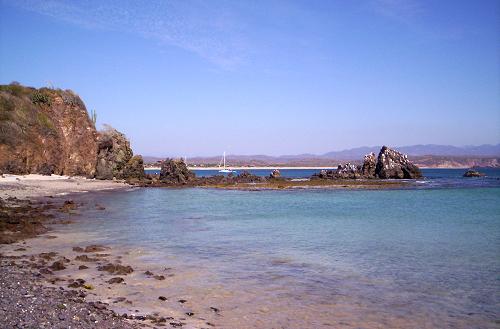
x,y
224,169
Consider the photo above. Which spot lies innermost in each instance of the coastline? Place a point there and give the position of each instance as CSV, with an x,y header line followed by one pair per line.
x,y
56,274
138,290
37,186
285,168
58,266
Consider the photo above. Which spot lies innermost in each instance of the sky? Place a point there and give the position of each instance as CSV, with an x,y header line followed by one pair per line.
x,y
186,78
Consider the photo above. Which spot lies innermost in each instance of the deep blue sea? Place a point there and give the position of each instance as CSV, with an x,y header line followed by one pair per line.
x,y
424,257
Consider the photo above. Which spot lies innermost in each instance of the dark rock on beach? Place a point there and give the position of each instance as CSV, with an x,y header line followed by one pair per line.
x,y
473,173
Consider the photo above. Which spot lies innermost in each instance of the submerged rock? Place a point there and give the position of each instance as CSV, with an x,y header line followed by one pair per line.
x,y
393,164
115,280
116,269
473,173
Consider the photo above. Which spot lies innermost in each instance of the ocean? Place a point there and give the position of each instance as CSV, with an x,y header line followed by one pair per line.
x,y
420,257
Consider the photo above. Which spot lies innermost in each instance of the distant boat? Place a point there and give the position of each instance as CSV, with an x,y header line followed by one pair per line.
x,y
223,161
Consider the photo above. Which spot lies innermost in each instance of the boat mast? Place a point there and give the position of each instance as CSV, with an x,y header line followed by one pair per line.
x,y
224,156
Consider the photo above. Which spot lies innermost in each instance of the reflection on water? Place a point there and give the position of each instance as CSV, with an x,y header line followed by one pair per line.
x,y
318,259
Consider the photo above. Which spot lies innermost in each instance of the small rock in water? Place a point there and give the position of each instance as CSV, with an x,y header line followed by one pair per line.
x,y
182,301
189,313
95,248
119,299
45,271
85,258
99,207
159,277
78,283
162,298
474,173
57,266
115,280
116,269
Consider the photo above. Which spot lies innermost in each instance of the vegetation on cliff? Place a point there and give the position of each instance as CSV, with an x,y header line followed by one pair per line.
x,y
49,131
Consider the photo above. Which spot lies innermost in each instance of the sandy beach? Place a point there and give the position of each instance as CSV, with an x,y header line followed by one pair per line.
x,y
60,280
68,283
34,186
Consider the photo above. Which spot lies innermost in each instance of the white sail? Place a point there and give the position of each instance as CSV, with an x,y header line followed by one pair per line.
x,y
223,160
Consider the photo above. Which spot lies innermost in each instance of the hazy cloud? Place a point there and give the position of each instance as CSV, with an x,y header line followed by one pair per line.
x,y
207,28
401,10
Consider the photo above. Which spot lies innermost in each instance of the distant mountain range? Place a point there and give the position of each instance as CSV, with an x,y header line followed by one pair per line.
x,y
420,150
354,154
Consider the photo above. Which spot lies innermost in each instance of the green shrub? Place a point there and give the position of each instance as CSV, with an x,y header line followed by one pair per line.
x,y
14,89
40,98
45,122
6,104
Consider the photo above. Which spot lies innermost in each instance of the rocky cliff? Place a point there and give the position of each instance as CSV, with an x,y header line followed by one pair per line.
x,y
115,157
49,131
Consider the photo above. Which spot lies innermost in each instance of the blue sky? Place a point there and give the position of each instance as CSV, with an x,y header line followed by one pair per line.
x,y
184,78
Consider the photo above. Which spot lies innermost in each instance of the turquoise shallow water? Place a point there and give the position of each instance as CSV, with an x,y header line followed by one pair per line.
x,y
430,255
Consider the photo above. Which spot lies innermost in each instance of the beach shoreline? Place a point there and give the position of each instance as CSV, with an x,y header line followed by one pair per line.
x,y
38,186
62,273
283,168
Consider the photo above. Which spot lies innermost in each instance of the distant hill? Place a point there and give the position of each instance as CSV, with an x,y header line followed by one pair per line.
x,y
430,155
486,150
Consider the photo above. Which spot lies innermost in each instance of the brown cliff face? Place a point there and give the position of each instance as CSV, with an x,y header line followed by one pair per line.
x,y
45,131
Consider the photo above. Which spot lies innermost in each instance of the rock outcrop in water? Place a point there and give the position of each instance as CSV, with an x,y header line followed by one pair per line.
x,y
369,165
473,173
175,171
389,164
275,174
49,131
393,164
